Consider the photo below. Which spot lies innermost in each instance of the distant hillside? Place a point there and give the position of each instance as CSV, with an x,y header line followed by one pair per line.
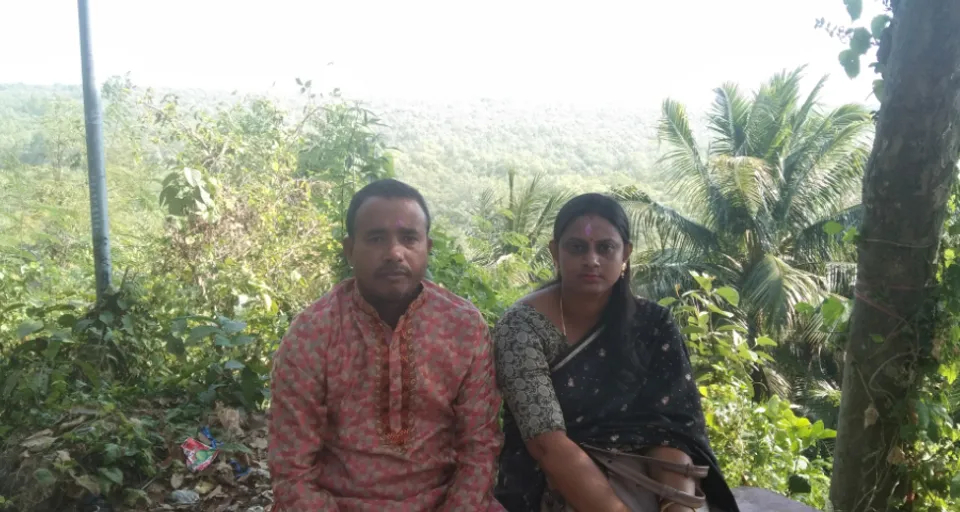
x,y
452,152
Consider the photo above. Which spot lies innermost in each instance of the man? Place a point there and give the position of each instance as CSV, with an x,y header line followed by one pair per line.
x,y
383,392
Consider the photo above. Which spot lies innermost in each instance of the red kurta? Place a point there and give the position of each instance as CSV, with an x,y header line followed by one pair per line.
x,y
368,418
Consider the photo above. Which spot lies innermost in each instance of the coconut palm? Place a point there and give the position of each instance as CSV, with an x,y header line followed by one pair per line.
x,y
762,205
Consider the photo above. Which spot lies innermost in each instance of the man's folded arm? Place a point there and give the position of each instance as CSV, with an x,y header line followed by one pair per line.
x,y
298,416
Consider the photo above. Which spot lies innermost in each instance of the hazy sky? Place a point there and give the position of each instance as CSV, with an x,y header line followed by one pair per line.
x,y
628,51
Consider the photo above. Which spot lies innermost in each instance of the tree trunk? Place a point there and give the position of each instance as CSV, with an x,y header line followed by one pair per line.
x,y
905,191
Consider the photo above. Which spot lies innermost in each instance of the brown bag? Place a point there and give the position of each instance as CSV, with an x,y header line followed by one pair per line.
x,y
628,475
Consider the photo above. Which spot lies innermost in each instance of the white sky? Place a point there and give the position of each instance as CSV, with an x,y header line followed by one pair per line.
x,y
629,52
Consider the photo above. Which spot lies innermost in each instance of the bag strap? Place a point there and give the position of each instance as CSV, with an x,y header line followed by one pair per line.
x,y
609,461
688,470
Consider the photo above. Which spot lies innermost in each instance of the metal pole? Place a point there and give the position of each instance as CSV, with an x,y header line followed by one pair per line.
x,y
93,115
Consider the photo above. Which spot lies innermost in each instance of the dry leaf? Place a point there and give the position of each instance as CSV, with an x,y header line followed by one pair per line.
x,y
39,441
203,487
870,416
260,443
89,483
229,419
896,456
218,491
176,480
72,423
63,456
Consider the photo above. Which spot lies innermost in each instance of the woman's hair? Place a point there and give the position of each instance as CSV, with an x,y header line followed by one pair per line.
x,y
618,315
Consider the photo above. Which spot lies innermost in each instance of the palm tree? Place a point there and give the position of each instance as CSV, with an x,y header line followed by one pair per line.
x,y
759,207
511,233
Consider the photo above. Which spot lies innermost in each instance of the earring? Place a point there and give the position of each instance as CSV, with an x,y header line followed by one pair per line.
x,y
623,270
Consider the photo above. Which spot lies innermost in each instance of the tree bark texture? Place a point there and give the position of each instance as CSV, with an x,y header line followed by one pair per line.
x,y
905,191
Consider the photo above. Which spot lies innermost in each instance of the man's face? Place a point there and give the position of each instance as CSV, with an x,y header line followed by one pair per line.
x,y
389,248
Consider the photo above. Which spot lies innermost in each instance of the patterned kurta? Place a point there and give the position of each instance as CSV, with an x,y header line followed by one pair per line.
x,y
369,418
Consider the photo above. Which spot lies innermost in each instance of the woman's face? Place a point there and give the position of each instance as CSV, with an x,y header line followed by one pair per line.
x,y
590,255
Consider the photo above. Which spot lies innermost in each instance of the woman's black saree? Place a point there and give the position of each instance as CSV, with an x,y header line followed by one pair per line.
x,y
609,393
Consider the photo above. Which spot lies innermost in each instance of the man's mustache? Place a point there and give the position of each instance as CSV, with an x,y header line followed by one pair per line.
x,y
392,269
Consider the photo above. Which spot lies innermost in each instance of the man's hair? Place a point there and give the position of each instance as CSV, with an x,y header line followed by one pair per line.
x,y
387,189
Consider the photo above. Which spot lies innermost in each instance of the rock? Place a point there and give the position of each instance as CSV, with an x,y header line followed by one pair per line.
x,y
752,499
257,508
184,497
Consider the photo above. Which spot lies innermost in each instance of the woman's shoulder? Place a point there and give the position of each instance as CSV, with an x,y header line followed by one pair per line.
x,y
533,305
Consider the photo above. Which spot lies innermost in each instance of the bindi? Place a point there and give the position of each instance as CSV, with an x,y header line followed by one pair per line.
x,y
589,231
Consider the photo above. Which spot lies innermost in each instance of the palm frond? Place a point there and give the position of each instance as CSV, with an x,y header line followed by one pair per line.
x,y
827,168
661,273
652,220
727,120
746,182
802,114
773,103
813,243
773,288
688,176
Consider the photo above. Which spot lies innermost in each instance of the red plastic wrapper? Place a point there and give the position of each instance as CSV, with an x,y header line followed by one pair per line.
x,y
199,456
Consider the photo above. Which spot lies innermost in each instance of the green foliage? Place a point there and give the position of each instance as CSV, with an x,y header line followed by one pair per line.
x,y
763,445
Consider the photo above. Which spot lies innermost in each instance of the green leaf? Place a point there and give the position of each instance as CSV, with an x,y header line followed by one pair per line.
x,y
764,341
877,338
705,282
27,328
91,373
860,41
832,228
955,486
851,235
111,453
221,340
45,477
949,372
106,317
232,326
832,309
667,301
200,332
53,348
243,339
112,474
854,8
799,484
730,327
850,61
923,414
878,89
879,24
730,295
233,365
719,311
692,329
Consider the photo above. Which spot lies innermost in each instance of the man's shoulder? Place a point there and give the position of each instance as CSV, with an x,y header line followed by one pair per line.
x,y
331,301
448,303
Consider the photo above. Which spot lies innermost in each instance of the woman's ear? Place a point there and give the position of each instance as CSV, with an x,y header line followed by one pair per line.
x,y
627,252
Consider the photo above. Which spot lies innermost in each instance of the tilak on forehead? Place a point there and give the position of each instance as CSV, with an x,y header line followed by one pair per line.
x,y
589,229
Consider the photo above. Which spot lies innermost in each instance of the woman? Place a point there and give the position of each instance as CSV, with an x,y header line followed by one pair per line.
x,y
583,363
